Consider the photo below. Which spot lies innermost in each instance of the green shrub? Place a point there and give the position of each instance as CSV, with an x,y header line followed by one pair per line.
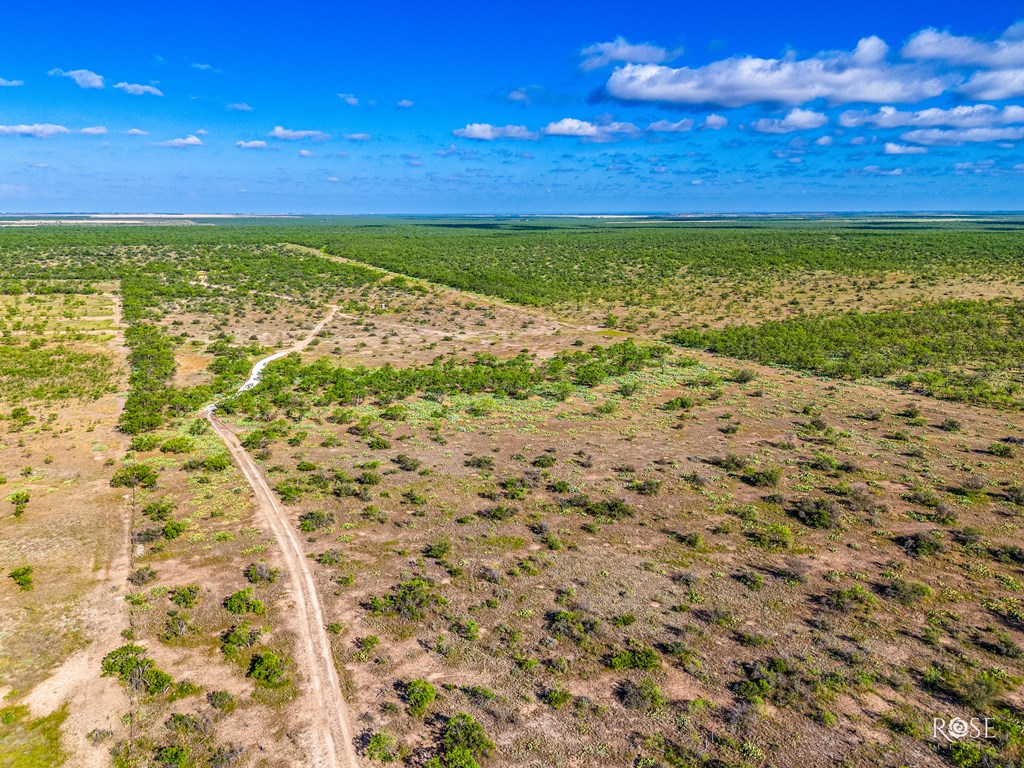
x,y
556,698
465,733
635,657
409,599
22,577
419,694
185,597
267,669
310,522
243,601
134,476
174,528
177,445
644,695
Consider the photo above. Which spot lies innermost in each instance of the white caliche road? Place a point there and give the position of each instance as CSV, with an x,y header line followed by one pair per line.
x,y
331,744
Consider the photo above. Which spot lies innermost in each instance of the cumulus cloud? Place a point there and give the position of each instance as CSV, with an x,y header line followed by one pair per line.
x,y
288,135
83,77
305,153
667,126
36,130
488,132
570,126
522,95
189,141
135,89
602,54
591,132
892,148
95,130
240,106
824,141
137,132
962,135
995,85
935,45
251,144
974,116
5,83
405,104
796,120
863,74
349,98
357,136
714,122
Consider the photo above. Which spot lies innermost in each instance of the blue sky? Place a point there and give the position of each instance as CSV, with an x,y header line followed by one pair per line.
x,y
496,108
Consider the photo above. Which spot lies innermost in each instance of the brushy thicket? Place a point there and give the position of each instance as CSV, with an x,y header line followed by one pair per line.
x,y
962,350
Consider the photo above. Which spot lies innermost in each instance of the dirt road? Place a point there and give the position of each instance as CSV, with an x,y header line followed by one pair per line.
x,y
330,742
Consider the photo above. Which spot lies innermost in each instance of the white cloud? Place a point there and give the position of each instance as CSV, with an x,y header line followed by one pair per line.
x,y
975,116
135,89
189,141
488,132
289,135
357,136
95,130
137,132
570,126
858,140
891,148
239,107
83,77
874,170
251,144
5,83
349,98
305,153
600,132
619,49
995,85
1019,167
796,120
405,104
204,67
36,130
333,179
824,141
837,76
680,126
962,135
714,122
521,95
933,45
202,132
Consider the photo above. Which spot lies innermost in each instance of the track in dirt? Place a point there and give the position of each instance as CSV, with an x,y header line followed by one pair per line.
x,y
332,744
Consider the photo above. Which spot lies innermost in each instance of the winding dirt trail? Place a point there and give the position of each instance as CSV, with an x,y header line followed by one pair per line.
x,y
331,745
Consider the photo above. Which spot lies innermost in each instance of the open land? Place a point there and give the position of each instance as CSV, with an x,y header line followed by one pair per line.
x,y
523,492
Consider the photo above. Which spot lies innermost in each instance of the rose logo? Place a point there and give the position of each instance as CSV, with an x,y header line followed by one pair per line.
x,y
957,728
